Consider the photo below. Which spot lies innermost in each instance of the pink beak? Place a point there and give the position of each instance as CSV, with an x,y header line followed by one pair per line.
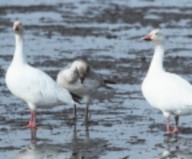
x,y
147,37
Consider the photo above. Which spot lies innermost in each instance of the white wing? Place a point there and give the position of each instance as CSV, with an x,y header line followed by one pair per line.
x,y
36,87
168,92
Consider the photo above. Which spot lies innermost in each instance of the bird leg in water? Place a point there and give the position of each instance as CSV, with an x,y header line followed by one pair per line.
x,y
167,122
176,130
74,112
87,111
33,135
32,121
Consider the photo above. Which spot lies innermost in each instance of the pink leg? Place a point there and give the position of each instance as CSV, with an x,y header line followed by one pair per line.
x,y
32,121
167,122
176,129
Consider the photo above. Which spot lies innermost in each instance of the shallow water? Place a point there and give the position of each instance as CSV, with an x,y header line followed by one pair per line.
x,y
107,34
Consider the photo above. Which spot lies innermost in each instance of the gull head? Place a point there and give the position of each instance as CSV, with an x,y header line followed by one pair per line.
x,y
155,36
17,27
81,68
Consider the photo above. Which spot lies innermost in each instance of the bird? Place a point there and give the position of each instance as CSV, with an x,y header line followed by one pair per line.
x,y
81,80
166,91
30,84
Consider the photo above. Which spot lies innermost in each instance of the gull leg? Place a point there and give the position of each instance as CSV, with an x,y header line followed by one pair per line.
x,y
176,129
75,112
87,112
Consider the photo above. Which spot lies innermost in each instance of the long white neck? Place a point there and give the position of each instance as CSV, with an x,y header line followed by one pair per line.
x,y
19,56
157,60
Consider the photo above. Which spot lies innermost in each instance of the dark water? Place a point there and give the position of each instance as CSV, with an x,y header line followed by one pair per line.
x,y
107,34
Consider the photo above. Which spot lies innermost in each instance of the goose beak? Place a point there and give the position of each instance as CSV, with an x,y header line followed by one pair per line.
x,y
147,37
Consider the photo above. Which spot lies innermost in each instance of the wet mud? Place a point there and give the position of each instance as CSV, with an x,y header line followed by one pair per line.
x,y
107,34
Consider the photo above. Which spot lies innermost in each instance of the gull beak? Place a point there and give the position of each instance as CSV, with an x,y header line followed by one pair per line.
x,y
82,78
147,37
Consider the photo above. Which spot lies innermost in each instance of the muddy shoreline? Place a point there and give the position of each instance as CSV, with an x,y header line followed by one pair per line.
x,y
107,34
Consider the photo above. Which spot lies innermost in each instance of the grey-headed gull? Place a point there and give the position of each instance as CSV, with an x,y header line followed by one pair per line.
x,y
166,91
81,80
31,85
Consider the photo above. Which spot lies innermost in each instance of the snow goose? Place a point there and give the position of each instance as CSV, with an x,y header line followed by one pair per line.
x,y
79,79
31,85
166,91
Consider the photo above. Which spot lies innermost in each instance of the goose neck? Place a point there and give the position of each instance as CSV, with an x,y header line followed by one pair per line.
x,y
19,56
157,60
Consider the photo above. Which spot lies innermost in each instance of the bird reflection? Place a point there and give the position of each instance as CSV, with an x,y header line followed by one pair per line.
x,y
31,152
84,147
176,148
78,148
78,143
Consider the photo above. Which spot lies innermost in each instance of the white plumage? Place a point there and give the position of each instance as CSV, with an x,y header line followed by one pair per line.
x,y
31,85
166,91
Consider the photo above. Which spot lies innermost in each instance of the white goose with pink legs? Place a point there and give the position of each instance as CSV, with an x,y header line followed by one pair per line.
x,y
166,91
31,85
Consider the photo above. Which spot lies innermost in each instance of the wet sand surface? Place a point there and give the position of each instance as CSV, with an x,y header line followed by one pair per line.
x,y
107,34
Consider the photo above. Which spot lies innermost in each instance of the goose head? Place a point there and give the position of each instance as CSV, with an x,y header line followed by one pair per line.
x,y
155,36
17,27
82,69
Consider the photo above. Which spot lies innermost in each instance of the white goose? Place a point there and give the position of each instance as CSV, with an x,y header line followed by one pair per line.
x,y
79,79
166,91
31,85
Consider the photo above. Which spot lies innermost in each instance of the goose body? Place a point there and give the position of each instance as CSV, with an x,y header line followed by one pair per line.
x,y
170,93
35,87
166,91
31,85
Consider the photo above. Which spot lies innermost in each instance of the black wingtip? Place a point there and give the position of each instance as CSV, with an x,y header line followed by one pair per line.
x,y
76,98
106,81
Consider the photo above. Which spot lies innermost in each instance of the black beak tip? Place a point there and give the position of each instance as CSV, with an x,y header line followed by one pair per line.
x,y
82,80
